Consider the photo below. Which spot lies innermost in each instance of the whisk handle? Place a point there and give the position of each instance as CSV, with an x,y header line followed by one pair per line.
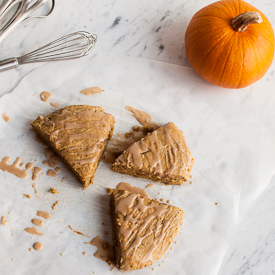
x,y
7,64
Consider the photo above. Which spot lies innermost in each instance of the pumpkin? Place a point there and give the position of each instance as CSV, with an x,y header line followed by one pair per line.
x,y
230,43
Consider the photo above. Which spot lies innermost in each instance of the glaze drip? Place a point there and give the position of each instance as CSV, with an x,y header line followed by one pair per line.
x,y
143,118
104,252
132,189
92,91
35,172
13,169
45,96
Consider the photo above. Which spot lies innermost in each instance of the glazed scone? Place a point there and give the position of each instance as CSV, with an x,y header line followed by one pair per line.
x,y
78,134
161,156
143,229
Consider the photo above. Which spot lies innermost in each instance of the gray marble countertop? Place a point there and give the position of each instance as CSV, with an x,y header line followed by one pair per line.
x,y
152,30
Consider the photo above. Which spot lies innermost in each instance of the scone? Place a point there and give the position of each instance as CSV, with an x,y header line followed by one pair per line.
x,y
143,229
161,156
78,134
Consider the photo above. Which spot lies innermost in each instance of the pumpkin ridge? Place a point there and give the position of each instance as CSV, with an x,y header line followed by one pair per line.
x,y
226,7
201,28
213,49
264,36
248,41
218,59
202,37
205,15
238,85
259,74
225,63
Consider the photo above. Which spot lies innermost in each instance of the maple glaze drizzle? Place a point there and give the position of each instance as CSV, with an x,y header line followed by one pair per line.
x,y
12,168
172,149
51,158
64,120
45,96
143,118
132,189
5,117
4,221
150,185
29,166
52,173
55,104
136,228
38,222
92,90
37,246
44,215
35,172
33,231
104,252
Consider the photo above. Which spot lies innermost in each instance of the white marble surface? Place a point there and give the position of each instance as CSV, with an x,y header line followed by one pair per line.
x,y
153,30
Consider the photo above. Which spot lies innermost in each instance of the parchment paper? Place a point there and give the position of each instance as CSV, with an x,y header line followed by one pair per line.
x,y
230,133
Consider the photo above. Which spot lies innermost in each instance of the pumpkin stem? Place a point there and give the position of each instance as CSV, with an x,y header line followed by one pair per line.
x,y
243,20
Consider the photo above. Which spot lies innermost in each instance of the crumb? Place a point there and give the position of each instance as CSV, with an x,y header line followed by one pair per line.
x,y
61,232
27,196
54,205
13,259
30,249
191,182
84,253
94,272
168,201
53,191
153,269
9,212
159,264
122,177
180,233
106,232
12,234
64,178
171,248
216,203
112,269
103,223
61,254
176,242
191,176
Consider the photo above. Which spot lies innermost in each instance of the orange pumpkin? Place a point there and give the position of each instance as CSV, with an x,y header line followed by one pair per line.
x,y
230,43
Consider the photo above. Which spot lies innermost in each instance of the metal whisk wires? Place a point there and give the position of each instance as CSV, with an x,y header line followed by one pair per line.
x,y
71,46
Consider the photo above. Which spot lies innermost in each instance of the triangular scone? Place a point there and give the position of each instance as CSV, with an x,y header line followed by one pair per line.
x,y
78,134
161,156
143,229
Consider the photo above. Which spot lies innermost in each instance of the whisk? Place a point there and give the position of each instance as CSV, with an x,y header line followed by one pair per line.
x,y
71,46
